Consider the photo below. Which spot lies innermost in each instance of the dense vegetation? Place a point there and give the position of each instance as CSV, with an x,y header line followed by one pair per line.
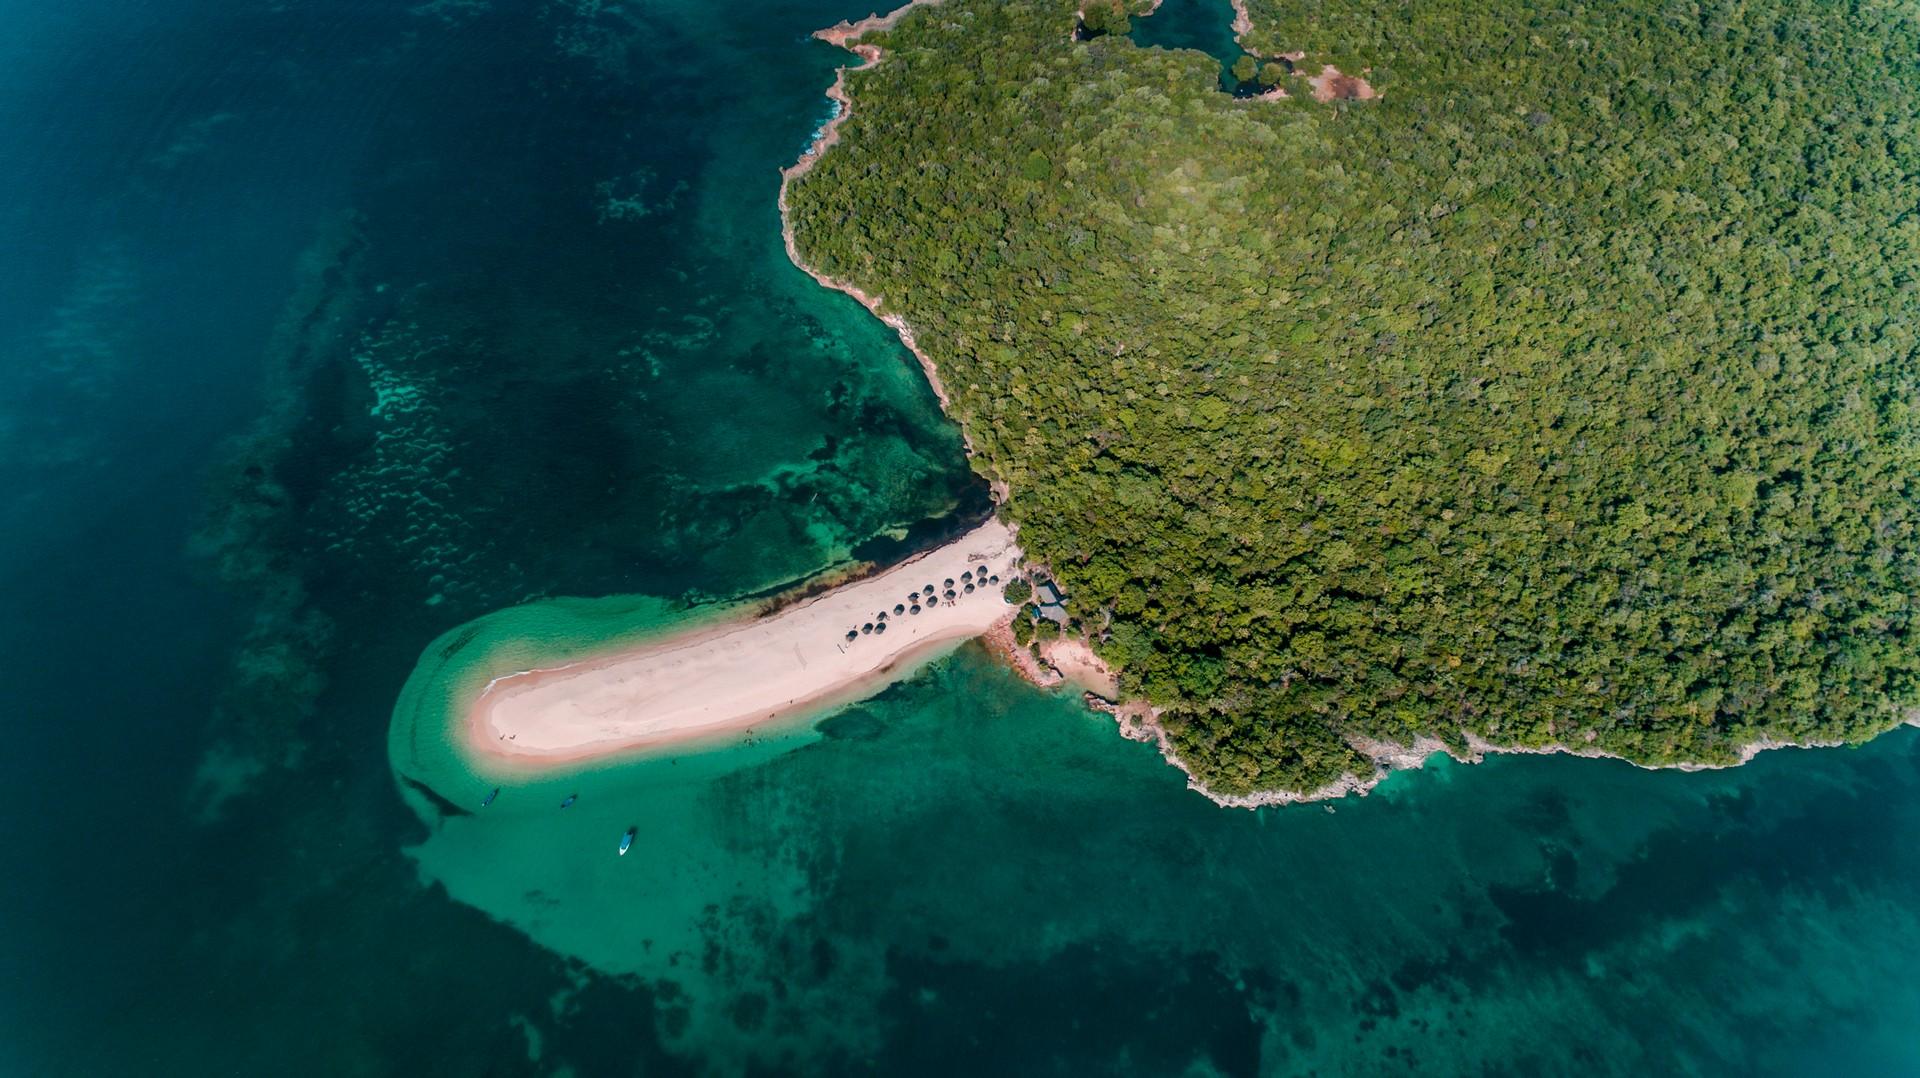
x,y
1565,394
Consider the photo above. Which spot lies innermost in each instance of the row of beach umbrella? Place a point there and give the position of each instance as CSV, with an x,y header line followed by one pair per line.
x,y
927,595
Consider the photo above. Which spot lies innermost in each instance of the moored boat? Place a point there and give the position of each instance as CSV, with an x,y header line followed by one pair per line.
x,y
626,840
488,800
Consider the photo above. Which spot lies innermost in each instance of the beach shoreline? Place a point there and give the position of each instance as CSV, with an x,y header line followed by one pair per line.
x,y
739,671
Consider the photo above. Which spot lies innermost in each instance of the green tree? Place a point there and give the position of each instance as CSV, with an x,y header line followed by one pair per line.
x,y
1105,17
1547,397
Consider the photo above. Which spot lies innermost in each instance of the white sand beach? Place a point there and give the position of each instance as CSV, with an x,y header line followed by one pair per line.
x,y
741,672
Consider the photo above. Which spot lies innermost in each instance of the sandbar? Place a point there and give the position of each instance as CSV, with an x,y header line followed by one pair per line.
x,y
733,674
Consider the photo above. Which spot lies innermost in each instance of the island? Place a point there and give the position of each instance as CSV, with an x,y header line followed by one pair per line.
x,y
1471,377
1484,379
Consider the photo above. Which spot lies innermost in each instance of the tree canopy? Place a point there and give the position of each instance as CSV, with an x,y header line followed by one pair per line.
x,y
1566,393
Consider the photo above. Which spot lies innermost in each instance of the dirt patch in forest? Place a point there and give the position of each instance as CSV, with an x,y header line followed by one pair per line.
x,y
1331,84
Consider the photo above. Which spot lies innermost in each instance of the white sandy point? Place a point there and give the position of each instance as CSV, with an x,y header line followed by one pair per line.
x,y
738,673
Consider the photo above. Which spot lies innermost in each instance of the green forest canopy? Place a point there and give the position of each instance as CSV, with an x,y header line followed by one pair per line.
x,y
1564,394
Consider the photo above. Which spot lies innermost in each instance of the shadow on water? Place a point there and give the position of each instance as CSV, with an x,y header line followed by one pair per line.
x,y
975,505
445,807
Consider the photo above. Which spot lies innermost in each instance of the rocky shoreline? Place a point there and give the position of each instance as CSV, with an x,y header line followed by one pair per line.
x,y
846,35
1141,722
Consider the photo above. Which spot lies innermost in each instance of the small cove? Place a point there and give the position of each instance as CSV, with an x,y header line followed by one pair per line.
x,y
1201,25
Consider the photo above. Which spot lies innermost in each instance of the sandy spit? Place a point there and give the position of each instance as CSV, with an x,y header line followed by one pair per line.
x,y
739,672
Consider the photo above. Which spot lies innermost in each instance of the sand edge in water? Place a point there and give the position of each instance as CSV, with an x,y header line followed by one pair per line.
x,y
572,681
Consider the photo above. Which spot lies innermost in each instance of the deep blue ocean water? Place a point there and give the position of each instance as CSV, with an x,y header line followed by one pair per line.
x,y
330,326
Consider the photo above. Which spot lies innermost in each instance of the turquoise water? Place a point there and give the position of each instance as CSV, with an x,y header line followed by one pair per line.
x,y
334,326
1201,25
964,874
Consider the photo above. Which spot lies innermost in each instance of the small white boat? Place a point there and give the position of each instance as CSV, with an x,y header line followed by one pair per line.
x,y
626,840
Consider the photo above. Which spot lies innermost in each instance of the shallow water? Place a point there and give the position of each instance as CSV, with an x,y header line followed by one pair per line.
x,y
964,873
333,326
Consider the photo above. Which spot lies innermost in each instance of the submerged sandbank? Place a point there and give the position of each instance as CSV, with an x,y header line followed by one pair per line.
x,y
741,671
